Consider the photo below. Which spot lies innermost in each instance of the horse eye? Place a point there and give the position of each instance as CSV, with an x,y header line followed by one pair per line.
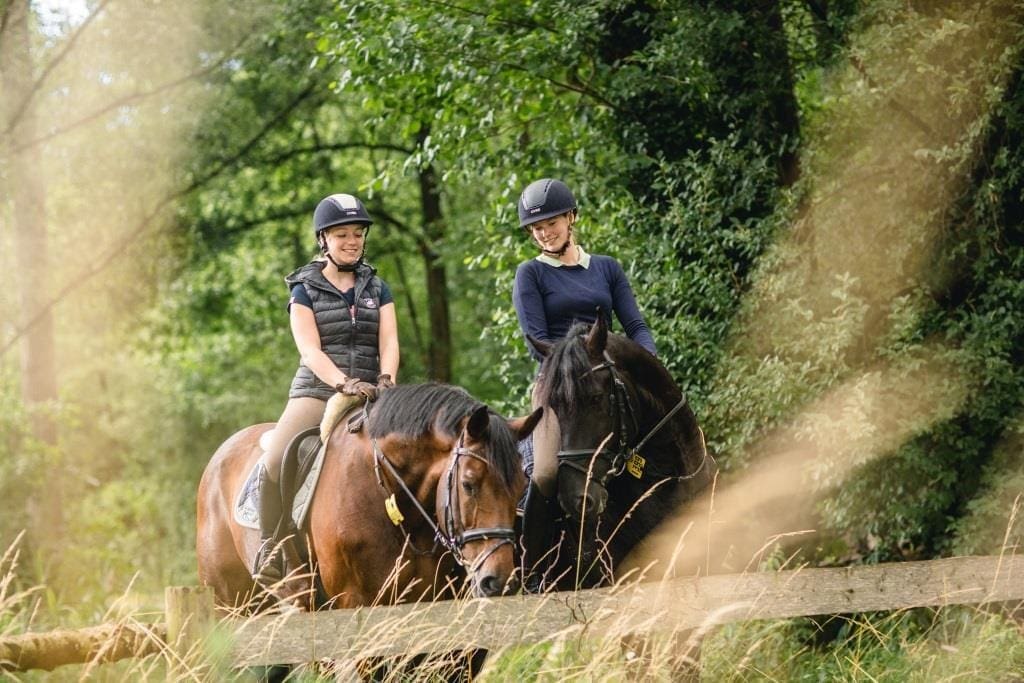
x,y
469,487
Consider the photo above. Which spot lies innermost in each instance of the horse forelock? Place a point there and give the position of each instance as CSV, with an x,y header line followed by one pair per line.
x,y
565,372
418,409
652,381
502,455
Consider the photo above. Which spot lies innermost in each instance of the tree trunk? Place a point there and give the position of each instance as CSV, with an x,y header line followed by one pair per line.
x,y
28,196
439,352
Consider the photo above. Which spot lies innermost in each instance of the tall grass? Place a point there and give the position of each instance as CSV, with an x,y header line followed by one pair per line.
x,y
947,644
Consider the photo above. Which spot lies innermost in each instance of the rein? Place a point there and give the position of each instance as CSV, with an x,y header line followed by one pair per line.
x,y
450,537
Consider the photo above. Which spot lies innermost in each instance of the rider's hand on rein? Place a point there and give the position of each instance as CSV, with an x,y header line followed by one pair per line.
x,y
357,387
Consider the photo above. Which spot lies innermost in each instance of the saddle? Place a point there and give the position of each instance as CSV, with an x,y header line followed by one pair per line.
x,y
300,468
303,458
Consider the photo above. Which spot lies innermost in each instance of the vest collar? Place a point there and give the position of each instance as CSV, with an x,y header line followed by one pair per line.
x,y
312,274
552,261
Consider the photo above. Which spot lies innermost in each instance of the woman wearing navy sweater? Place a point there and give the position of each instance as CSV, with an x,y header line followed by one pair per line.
x,y
561,286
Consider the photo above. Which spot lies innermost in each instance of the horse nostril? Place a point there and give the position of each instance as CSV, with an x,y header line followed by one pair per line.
x,y
590,504
489,585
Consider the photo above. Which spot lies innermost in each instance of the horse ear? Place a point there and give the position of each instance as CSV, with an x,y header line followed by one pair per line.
x,y
597,339
522,427
543,347
479,424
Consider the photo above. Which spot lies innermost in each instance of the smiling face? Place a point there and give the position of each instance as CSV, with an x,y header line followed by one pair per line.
x,y
551,234
345,243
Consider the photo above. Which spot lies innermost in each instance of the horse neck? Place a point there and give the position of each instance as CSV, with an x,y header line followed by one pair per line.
x,y
679,432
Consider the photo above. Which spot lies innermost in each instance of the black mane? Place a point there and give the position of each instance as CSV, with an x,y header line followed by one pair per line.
x,y
565,372
415,410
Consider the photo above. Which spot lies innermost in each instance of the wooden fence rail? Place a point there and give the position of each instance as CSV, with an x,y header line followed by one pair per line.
x,y
671,606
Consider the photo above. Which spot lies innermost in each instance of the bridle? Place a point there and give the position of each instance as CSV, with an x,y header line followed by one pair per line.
x,y
622,412
620,408
451,535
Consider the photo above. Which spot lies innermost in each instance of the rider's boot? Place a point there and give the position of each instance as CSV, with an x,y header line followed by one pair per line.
x,y
537,539
268,566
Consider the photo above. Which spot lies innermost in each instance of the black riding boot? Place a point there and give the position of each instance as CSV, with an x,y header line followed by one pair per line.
x,y
537,538
268,566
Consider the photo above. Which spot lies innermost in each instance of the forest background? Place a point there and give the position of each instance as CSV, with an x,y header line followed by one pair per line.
x,y
819,204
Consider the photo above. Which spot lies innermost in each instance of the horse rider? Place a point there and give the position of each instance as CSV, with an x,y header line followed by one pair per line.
x,y
562,285
344,324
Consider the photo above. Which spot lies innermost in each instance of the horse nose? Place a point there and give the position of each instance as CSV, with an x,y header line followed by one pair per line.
x,y
489,585
591,503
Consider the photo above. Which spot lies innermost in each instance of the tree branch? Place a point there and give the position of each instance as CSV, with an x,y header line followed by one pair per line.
x,y
289,154
386,217
417,235
893,102
149,224
239,228
267,127
37,86
5,16
129,99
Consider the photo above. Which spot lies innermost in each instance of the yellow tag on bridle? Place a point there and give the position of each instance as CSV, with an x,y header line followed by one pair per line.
x,y
394,514
635,465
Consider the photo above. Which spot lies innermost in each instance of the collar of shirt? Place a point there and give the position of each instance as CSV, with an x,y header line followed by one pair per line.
x,y
584,259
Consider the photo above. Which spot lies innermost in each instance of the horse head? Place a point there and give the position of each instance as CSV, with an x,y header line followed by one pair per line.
x,y
477,495
626,428
593,402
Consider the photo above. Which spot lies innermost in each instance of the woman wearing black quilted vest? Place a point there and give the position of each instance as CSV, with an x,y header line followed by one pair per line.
x,y
344,325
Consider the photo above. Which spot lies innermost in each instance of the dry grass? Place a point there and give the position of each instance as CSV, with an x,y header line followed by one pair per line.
x,y
951,643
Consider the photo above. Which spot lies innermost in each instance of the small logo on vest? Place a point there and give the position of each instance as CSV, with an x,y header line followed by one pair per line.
x,y
369,303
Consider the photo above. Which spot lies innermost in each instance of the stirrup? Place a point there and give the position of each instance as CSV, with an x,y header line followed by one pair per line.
x,y
268,565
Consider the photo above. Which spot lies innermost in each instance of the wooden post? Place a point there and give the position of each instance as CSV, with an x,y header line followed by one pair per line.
x,y
190,616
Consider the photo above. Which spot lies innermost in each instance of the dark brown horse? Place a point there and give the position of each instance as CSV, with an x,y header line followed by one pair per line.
x,y
631,454
447,463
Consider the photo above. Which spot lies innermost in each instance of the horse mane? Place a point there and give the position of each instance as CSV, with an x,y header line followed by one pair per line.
x,y
565,374
566,370
416,410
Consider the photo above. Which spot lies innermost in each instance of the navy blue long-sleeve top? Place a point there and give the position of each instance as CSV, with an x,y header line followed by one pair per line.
x,y
550,299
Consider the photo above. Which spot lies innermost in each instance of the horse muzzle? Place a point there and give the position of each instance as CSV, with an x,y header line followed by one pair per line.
x,y
586,505
491,584
492,572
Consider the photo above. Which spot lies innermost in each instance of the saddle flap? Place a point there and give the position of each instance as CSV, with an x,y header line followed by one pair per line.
x,y
305,449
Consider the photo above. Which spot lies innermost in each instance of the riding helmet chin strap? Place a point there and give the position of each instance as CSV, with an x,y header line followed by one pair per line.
x,y
564,247
342,268
345,267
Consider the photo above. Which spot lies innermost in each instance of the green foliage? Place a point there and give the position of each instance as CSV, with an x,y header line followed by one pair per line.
x,y
914,645
880,333
819,206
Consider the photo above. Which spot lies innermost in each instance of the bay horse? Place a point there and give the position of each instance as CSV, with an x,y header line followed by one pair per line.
x,y
435,455
631,454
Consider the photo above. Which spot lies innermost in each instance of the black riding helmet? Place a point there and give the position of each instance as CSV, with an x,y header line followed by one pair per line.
x,y
544,198
338,209
335,210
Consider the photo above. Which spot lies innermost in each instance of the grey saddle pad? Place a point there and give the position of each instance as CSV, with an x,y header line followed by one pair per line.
x,y
247,505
